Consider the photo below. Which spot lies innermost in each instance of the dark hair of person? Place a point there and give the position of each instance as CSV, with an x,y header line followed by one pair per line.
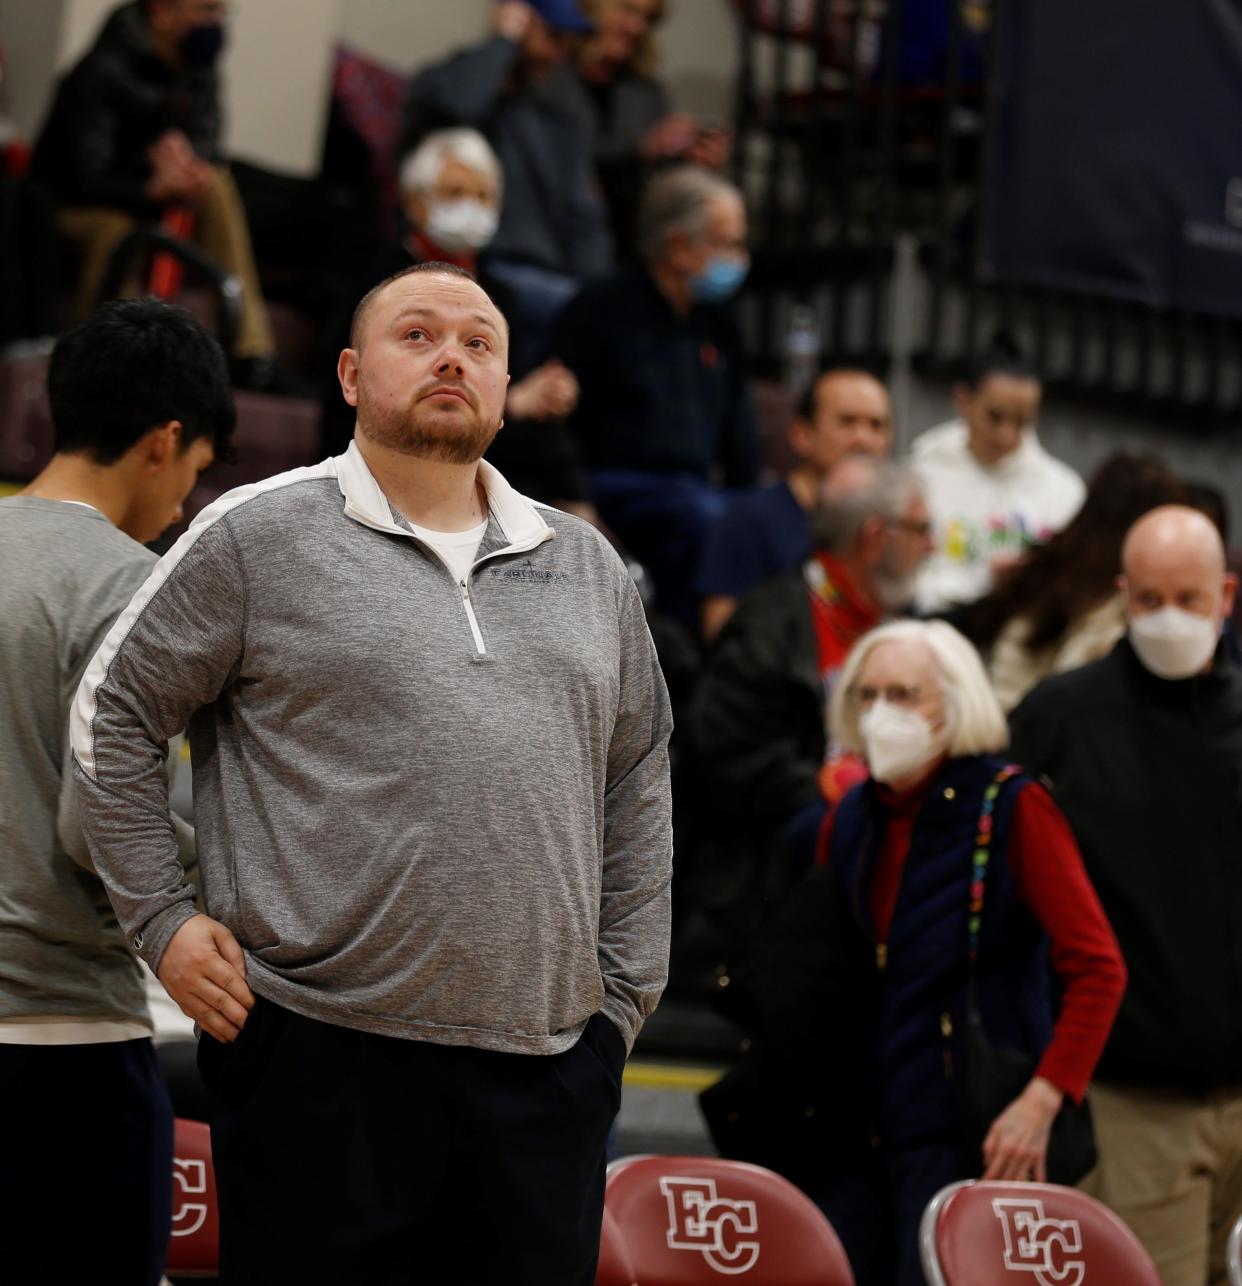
x,y
808,400
1003,356
131,366
1211,501
433,266
1077,568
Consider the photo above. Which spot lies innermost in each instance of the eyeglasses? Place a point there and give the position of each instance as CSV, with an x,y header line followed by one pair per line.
x,y
896,694
920,529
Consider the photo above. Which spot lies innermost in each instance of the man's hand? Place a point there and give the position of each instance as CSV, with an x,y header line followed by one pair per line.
x,y
178,173
511,19
711,148
549,392
204,971
1017,1144
670,136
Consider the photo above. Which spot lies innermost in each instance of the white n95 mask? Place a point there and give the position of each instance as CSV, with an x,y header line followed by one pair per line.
x,y
461,225
898,743
1173,643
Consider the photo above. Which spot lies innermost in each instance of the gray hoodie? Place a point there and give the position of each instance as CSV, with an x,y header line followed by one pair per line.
x,y
426,809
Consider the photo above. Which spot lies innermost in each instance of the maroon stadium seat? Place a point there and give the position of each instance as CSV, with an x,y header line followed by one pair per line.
x,y
688,1220
194,1249
975,1234
25,420
615,1268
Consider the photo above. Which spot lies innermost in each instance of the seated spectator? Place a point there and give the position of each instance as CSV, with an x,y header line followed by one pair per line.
x,y
450,188
665,415
134,130
767,531
758,720
553,230
629,112
872,976
993,490
1059,608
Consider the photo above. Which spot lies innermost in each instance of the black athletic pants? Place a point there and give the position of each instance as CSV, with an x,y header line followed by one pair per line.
x,y
343,1157
86,1145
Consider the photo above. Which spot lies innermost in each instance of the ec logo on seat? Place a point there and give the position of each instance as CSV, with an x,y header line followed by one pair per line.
x,y
714,1226
1039,1245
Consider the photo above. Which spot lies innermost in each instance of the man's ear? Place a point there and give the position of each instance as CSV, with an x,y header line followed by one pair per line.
x,y
1230,593
677,249
963,395
162,444
872,538
799,437
347,373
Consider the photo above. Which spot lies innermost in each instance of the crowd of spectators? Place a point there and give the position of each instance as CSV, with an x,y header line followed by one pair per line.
x,y
851,634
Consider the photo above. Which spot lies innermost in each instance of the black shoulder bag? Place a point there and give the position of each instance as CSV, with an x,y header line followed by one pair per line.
x,y
990,1077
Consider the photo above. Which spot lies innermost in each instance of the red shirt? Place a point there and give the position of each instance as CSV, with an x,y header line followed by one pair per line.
x,y
840,612
1050,879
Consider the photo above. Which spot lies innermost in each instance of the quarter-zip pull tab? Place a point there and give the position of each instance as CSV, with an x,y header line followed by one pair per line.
x,y
881,956
475,632
946,1030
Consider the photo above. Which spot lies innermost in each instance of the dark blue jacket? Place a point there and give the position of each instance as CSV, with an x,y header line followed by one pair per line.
x,y
922,996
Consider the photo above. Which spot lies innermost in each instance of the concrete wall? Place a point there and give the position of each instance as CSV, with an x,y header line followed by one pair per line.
x,y
30,32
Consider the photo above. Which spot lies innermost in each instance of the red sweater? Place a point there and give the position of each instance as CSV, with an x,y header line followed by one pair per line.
x,y
1050,879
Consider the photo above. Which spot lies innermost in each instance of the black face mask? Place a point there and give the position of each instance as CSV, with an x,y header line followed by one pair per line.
x,y
201,45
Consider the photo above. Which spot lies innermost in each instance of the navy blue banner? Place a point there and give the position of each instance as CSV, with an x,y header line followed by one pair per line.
x,y
1117,159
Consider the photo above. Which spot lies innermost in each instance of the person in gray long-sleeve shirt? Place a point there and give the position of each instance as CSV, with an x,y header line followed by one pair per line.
x,y
140,401
431,791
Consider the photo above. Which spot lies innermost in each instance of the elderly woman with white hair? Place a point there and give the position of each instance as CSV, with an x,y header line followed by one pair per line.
x,y
949,883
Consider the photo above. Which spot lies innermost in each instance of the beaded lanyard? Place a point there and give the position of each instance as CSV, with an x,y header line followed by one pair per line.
x,y
983,852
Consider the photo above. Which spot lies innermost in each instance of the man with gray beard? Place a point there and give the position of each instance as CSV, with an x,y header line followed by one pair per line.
x,y
759,713
431,776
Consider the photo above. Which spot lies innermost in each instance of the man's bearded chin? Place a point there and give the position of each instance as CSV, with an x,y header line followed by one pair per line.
x,y
423,434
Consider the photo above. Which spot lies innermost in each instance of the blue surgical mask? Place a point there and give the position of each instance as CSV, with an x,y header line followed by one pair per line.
x,y
720,279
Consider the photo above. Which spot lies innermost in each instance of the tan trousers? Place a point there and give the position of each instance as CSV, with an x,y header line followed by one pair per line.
x,y
219,230
1171,1167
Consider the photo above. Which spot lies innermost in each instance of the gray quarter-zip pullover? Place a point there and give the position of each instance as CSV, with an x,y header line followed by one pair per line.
x,y
428,809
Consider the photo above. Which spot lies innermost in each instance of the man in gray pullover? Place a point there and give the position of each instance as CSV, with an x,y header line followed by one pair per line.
x,y
430,747
140,401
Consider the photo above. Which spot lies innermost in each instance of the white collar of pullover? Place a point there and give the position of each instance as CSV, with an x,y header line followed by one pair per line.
x,y
366,503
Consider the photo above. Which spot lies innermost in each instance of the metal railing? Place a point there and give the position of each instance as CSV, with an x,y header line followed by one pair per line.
x,y
840,153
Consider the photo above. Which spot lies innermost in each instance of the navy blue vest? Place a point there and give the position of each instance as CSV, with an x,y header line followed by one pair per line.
x,y
923,981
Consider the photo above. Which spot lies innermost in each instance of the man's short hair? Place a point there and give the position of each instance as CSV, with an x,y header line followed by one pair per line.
x,y
883,490
676,200
434,266
420,171
131,366
808,402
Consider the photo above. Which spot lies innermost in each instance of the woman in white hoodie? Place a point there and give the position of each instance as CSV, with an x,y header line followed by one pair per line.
x,y
992,489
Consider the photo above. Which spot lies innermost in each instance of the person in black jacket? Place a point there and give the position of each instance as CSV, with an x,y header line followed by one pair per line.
x,y
1145,751
666,415
134,129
